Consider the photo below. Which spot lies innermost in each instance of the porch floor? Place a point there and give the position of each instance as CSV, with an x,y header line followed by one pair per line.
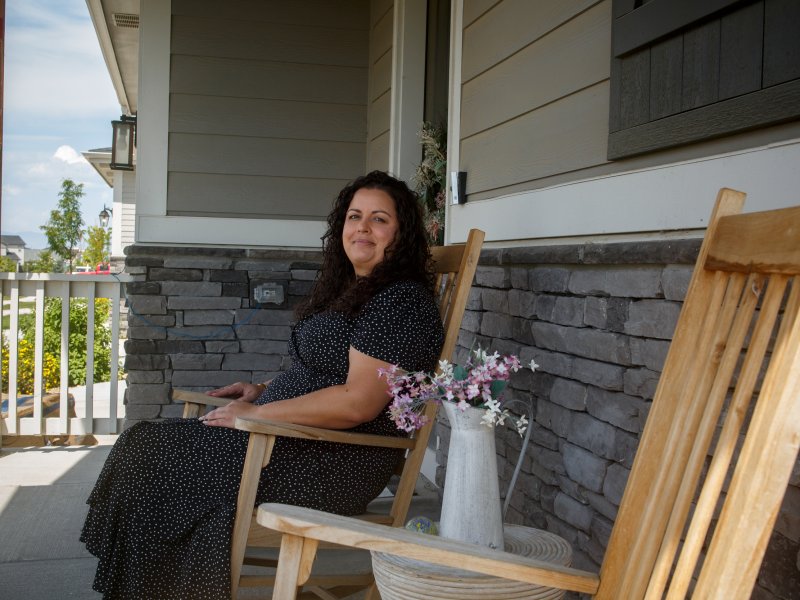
x,y
43,493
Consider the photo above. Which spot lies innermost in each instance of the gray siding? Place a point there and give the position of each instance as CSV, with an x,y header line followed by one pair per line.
x,y
380,83
534,90
267,106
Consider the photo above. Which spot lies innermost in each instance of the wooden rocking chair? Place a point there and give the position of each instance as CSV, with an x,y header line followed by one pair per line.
x,y
716,453
455,269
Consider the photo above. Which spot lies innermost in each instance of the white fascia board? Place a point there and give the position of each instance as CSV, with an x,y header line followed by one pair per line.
x,y
106,47
661,199
250,233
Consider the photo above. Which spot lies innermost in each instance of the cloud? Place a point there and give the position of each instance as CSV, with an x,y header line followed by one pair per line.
x,y
69,155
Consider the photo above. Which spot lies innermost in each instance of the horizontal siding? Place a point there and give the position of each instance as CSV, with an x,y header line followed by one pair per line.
x,y
284,197
379,111
473,9
211,76
264,156
256,117
560,137
268,106
379,115
281,42
380,76
346,14
570,58
378,153
378,10
381,38
510,26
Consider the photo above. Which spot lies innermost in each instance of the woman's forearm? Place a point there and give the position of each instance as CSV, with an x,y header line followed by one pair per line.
x,y
335,407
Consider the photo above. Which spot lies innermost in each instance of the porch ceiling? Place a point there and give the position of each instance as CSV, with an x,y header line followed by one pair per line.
x,y
116,23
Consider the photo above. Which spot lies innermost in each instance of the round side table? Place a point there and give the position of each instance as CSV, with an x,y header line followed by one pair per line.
x,y
407,579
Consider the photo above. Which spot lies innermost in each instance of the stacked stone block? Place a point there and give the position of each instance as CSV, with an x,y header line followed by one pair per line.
x,y
598,320
193,322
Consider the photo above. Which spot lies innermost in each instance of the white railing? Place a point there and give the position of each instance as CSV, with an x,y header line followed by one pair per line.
x,y
38,286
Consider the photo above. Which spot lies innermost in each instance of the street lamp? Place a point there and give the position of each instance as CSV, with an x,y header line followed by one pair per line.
x,y
104,217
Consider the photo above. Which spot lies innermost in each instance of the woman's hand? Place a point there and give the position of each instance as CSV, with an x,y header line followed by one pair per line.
x,y
239,391
224,416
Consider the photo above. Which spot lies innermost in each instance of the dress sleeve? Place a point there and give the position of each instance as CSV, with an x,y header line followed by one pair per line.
x,y
400,325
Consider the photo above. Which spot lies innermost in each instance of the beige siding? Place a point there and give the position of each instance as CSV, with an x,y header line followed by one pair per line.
x,y
268,106
558,138
534,90
380,84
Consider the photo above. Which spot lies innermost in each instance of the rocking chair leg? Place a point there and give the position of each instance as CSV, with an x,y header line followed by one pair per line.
x,y
294,565
373,593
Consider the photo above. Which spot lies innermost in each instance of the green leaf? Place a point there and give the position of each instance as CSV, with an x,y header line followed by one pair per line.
x,y
497,388
459,373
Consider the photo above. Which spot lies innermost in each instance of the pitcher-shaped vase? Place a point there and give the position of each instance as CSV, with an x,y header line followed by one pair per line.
x,y
471,510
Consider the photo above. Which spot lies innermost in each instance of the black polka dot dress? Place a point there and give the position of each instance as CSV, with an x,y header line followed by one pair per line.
x,y
161,513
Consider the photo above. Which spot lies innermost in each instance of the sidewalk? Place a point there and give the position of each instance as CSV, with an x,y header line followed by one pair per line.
x,y
43,493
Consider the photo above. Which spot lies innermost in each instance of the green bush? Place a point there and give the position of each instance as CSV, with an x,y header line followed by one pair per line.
x,y
78,318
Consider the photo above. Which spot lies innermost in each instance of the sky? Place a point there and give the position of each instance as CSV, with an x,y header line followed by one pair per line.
x,y
58,102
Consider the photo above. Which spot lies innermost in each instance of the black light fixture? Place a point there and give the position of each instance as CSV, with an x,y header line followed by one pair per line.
x,y
123,143
105,215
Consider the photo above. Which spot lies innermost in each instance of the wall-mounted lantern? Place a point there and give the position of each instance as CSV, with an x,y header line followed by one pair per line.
x,y
123,143
104,216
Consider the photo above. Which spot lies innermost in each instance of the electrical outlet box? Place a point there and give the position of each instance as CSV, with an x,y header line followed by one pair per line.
x,y
268,293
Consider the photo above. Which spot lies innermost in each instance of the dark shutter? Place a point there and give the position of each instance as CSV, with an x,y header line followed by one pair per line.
x,y
687,70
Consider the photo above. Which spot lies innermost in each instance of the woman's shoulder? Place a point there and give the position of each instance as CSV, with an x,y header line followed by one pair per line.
x,y
404,291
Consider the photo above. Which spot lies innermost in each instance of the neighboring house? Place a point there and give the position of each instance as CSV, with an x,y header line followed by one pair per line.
x,y
14,248
594,136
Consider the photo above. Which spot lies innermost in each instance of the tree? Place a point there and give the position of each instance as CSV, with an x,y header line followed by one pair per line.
x,y
63,230
45,263
97,240
7,265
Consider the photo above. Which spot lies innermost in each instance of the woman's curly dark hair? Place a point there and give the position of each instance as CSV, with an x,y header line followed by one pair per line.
x,y
407,258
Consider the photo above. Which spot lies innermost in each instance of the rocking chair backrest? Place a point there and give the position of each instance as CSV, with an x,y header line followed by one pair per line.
x,y
721,439
455,268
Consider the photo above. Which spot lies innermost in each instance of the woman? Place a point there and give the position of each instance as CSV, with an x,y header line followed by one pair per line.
x,y
162,511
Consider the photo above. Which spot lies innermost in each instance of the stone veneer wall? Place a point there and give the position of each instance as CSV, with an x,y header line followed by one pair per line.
x,y
193,323
598,320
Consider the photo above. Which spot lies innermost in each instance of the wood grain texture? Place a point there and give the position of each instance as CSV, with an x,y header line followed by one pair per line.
x,y
776,104
768,242
324,526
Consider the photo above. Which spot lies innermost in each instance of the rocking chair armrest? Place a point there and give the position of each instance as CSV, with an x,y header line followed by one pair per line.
x,y
320,434
316,525
199,398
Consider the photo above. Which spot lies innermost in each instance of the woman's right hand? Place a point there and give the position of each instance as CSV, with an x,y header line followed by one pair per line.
x,y
239,391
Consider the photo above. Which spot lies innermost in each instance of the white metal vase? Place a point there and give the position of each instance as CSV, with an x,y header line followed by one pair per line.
x,y
471,509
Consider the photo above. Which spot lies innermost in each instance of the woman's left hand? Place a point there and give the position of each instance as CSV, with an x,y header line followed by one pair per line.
x,y
224,416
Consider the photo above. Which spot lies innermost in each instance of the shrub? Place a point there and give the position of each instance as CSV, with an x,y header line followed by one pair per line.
x,y
78,318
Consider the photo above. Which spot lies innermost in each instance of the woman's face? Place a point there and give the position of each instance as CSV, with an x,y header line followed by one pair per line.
x,y
370,226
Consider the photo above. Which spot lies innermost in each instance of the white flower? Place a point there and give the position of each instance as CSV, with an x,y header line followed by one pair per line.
x,y
522,424
534,366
